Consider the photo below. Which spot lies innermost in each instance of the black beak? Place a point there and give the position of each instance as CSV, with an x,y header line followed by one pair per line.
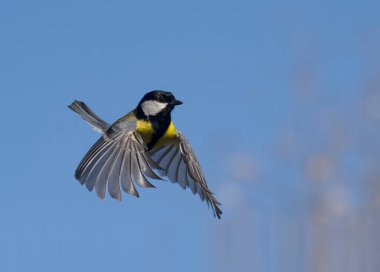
x,y
177,102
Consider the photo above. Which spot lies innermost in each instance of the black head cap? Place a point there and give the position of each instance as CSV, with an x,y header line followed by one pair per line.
x,y
161,96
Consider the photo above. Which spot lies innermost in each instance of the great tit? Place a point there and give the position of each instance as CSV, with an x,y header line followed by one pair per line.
x,y
142,144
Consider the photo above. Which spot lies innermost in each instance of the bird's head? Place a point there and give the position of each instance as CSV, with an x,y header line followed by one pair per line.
x,y
157,102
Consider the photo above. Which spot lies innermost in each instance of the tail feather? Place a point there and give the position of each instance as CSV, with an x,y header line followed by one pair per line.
x,y
87,114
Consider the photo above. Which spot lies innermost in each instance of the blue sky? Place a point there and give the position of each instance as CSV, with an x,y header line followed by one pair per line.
x,y
235,66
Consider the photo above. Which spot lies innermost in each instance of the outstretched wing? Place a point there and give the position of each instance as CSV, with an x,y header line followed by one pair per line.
x,y
180,165
118,158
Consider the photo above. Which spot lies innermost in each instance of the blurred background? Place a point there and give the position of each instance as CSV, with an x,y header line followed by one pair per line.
x,y
282,107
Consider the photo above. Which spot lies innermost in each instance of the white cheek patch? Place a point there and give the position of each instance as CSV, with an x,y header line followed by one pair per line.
x,y
152,107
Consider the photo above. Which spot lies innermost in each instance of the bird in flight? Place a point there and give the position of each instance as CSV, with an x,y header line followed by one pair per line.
x,y
142,144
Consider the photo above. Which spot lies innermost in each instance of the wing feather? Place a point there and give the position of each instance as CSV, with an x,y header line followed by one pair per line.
x,y
92,170
171,169
102,175
125,174
137,175
113,176
180,174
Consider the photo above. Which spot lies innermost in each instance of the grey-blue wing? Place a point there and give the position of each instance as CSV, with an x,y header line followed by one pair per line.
x,y
118,159
181,166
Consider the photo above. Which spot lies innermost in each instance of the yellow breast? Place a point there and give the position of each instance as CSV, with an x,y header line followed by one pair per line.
x,y
170,135
144,128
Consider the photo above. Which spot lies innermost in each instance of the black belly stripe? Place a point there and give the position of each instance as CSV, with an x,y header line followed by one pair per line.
x,y
160,124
